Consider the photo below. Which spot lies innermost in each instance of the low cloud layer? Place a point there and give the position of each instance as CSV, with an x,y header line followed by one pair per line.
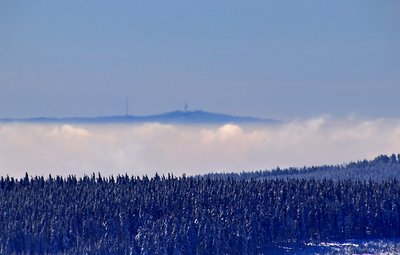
x,y
60,149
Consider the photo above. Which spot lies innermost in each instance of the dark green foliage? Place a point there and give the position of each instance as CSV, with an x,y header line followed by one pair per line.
x,y
381,168
168,215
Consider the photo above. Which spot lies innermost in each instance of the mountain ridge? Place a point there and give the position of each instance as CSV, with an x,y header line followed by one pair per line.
x,y
381,168
179,117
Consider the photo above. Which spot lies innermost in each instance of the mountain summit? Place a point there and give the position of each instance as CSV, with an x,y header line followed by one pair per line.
x,y
178,117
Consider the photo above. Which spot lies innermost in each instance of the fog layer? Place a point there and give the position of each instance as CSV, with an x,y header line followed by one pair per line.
x,y
61,149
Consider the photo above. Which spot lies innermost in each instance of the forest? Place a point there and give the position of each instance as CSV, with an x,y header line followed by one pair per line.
x,y
383,167
212,214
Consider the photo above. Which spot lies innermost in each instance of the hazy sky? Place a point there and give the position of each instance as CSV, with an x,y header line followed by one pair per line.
x,y
279,59
41,149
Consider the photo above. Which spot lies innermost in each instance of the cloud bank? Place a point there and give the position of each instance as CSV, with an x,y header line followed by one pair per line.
x,y
60,149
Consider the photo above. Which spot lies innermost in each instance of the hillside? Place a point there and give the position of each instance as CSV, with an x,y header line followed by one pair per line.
x,y
381,168
178,117
169,215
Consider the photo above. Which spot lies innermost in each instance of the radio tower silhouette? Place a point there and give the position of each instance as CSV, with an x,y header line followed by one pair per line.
x,y
127,107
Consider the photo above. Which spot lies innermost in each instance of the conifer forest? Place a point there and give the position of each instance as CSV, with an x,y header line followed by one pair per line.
x,y
248,213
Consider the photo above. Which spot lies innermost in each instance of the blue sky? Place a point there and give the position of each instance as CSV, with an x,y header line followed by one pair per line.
x,y
278,59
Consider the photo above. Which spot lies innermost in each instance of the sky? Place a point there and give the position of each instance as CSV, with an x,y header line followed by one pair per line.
x,y
276,59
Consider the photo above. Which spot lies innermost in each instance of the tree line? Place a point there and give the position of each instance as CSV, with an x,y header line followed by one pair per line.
x,y
383,167
189,215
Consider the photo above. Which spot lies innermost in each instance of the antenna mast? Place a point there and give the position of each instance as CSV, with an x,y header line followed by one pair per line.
x,y
127,106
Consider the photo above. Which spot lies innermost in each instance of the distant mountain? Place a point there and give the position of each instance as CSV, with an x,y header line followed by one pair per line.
x,y
179,117
380,169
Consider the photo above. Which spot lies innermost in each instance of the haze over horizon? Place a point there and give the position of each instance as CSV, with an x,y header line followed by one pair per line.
x,y
147,148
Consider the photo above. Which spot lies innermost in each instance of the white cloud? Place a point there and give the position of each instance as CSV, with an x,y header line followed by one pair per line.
x,y
69,131
152,147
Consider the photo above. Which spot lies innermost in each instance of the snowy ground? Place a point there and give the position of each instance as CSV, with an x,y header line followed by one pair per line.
x,y
354,247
